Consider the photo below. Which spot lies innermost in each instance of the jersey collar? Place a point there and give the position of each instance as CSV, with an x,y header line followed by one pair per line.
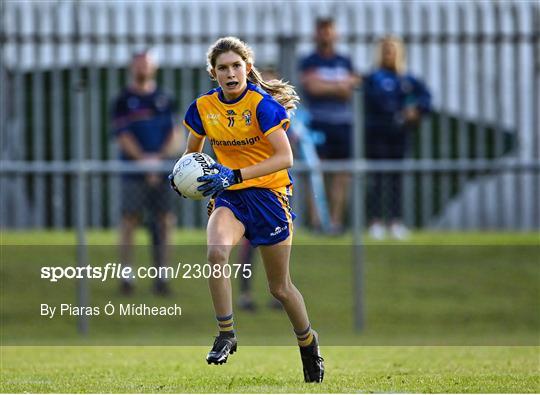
x,y
222,97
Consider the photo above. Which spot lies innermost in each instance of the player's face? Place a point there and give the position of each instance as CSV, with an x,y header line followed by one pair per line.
x,y
231,74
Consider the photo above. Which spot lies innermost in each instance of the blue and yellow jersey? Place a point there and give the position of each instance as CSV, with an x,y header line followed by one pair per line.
x,y
237,131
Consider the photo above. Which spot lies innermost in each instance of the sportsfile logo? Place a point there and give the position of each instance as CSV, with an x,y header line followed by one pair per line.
x,y
233,143
278,230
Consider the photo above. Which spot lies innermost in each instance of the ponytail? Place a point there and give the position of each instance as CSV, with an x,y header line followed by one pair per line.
x,y
283,92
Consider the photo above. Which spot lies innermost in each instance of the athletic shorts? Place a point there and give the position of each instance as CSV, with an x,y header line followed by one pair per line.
x,y
138,197
337,142
265,214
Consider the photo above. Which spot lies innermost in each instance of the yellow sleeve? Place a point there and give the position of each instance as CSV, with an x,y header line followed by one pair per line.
x,y
283,124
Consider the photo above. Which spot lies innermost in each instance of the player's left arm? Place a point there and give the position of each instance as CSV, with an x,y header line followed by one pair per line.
x,y
271,117
281,159
273,121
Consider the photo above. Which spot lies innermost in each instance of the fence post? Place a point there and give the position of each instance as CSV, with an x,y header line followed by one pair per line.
x,y
80,177
535,12
426,130
463,133
22,207
57,123
287,58
358,182
94,121
3,117
81,207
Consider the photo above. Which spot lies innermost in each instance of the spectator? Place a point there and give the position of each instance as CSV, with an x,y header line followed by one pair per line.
x,y
328,81
394,103
144,129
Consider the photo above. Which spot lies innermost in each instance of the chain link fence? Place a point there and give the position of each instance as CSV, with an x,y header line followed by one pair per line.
x,y
474,164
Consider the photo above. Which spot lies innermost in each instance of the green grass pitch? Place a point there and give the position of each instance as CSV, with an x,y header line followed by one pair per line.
x,y
269,370
445,312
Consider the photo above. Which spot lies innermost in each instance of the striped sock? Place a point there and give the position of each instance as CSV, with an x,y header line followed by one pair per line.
x,y
226,326
305,337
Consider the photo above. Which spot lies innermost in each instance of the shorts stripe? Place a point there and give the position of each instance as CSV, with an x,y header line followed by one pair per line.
x,y
286,207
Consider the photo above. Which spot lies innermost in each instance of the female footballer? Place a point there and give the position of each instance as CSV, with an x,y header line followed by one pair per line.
x,y
245,119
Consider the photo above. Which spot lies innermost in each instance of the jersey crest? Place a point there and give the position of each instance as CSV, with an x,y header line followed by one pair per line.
x,y
247,117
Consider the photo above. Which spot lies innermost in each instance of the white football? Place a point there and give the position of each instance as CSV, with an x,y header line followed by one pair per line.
x,y
186,171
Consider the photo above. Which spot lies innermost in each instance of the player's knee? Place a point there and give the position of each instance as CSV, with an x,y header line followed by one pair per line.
x,y
281,292
217,255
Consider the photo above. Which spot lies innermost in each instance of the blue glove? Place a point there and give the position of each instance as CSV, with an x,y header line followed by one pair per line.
x,y
223,179
173,186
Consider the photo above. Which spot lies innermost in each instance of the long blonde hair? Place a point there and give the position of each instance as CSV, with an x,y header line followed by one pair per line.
x,y
283,92
401,57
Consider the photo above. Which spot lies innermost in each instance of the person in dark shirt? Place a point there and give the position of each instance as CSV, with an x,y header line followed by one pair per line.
x,y
328,81
142,118
394,103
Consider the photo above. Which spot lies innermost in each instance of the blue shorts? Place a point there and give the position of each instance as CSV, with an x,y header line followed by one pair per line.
x,y
265,214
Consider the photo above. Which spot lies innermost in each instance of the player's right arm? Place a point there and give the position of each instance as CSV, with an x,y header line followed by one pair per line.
x,y
195,127
194,144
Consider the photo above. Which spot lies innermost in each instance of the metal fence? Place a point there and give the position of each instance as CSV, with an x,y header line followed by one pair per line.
x,y
474,165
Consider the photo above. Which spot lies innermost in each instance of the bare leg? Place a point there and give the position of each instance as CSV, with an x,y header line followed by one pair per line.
x,y
276,264
338,196
224,231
